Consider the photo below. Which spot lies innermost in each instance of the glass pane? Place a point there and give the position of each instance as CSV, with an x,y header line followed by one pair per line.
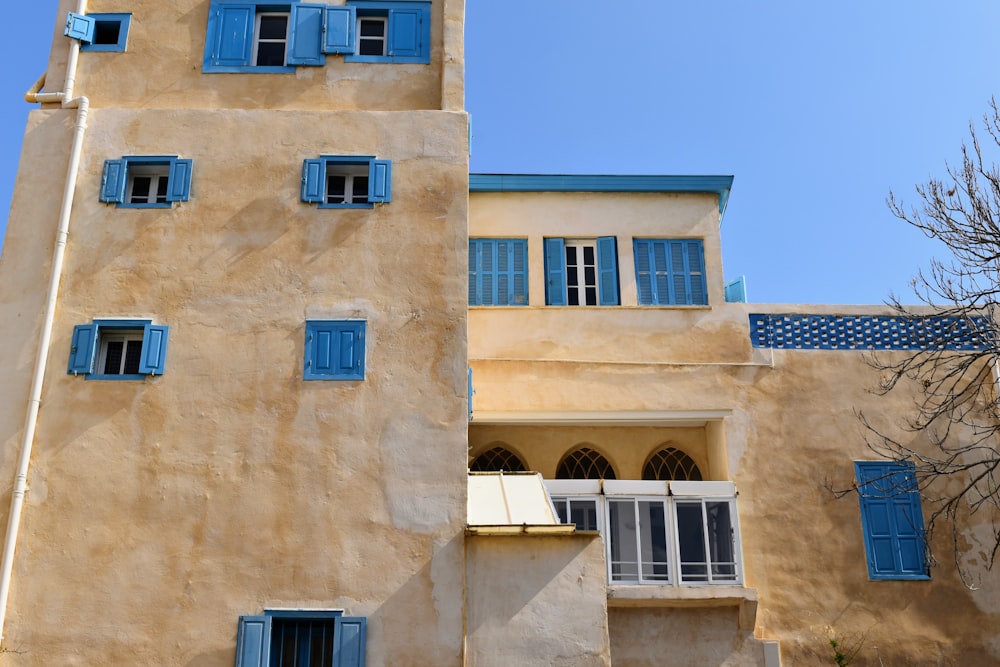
x,y
371,47
133,354
335,189
273,27
591,296
622,528
570,255
372,28
653,539
359,190
588,255
571,276
161,190
584,514
590,275
113,358
140,189
271,54
691,538
560,505
721,540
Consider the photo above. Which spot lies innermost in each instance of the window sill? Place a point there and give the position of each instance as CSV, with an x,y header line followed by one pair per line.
x,y
95,376
688,596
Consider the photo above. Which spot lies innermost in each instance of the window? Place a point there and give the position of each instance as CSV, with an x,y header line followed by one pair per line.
x,y
118,349
670,463
269,38
581,272
99,32
670,272
585,463
498,272
891,520
392,32
337,181
497,459
335,350
300,638
151,181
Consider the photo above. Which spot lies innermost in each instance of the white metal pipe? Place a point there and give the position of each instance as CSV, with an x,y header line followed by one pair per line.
x,y
82,105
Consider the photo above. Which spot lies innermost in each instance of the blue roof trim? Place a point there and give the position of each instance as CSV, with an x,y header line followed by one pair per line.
x,y
719,185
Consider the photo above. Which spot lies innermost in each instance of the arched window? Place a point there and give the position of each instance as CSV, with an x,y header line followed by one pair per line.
x,y
497,459
670,463
585,463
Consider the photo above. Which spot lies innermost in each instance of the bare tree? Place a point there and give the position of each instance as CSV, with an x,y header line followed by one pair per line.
x,y
952,436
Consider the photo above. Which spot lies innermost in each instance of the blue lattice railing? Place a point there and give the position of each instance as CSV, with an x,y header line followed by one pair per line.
x,y
869,332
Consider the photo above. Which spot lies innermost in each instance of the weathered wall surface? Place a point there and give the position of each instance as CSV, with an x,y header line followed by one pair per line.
x,y
536,601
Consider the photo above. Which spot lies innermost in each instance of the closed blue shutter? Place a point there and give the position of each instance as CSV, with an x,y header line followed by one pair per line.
x,y
482,268
82,349
349,641
555,272
736,290
338,36
474,245
643,272
335,350
313,175
404,33
607,270
80,27
233,36
154,349
502,271
379,182
892,520
695,256
305,35
113,182
658,253
179,180
518,295
253,641
677,272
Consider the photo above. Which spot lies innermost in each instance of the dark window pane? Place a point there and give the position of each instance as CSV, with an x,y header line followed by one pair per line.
x,y
591,296
113,360
588,254
270,54
371,47
573,298
359,190
372,28
133,354
570,255
273,27
590,275
572,279
106,32
335,187
140,189
161,190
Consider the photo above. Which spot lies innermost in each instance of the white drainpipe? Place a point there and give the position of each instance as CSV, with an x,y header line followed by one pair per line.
x,y
82,105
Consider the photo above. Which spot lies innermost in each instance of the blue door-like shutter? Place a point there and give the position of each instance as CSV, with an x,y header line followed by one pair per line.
x,y
305,35
555,272
338,35
643,272
736,290
518,272
80,27
313,173
253,641
82,349
179,180
349,642
404,33
233,44
380,182
154,349
892,520
607,270
113,182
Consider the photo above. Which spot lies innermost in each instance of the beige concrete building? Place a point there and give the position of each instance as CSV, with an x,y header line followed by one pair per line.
x,y
240,335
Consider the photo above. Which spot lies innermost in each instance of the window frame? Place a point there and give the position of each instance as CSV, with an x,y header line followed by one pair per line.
x,y
882,532
491,275
331,365
85,28
117,180
315,173
407,35
556,275
88,351
692,273
254,636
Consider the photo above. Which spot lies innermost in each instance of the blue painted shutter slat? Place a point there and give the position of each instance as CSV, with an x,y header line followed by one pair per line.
x,y
675,270
518,272
113,182
404,33
607,270
82,348
695,251
338,35
487,272
349,641
253,641
313,175
305,35
555,272
502,285
379,182
154,349
80,27
179,180
643,272
233,45
473,272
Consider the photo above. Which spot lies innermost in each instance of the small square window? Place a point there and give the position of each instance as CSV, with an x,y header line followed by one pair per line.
x,y
146,181
118,349
347,184
391,31
337,181
335,350
99,32
270,39
581,272
372,33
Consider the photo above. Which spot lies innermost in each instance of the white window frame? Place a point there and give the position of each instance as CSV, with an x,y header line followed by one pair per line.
x,y
349,172
384,39
124,336
158,175
257,40
579,289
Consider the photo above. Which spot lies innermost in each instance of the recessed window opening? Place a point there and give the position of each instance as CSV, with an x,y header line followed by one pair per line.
x,y
372,32
147,184
347,184
121,352
297,642
270,39
107,32
585,463
579,511
581,273
497,459
670,463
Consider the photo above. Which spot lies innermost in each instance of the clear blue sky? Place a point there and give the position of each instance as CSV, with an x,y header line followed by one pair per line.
x,y
817,109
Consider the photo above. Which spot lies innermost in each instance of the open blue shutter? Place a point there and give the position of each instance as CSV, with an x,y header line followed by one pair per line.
x,y
338,36
154,349
405,31
233,45
305,35
892,520
471,392
349,641
179,180
113,182
313,173
643,272
253,641
518,272
607,270
80,27
736,290
82,349
695,256
380,182
555,272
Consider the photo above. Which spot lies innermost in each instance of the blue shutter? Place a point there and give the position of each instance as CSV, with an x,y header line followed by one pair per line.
x,y
892,520
313,175
471,392
405,30
154,349
335,350
379,182
305,35
677,273
501,270
518,272
113,182
232,35
338,36
253,641
658,253
736,290
607,270
82,349
474,299
349,641
80,27
643,272
695,256
179,180
555,272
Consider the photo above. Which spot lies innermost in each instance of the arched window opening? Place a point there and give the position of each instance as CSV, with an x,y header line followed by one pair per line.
x,y
497,459
585,463
670,463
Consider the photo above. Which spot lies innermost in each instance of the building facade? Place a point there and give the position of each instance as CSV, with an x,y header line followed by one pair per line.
x,y
260,323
